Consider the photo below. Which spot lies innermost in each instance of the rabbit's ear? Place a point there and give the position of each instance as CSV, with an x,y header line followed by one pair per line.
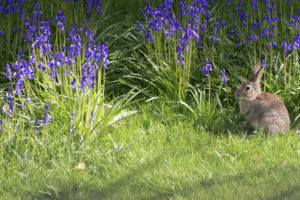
x,y
257,73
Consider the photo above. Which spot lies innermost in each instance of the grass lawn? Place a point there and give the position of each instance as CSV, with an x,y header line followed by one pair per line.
x,y
154,154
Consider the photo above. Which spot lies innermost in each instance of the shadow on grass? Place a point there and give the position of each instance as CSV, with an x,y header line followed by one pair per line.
x,y
121,188
292,193
131,186
232,185
238,186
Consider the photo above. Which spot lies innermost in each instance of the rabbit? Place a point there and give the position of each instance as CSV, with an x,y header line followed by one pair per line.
x,y
262,110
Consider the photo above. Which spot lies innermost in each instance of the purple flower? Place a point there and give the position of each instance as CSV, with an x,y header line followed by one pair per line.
x,y
139,25
238,43
101,54
148,36
16,6
254,4
90,5
148,9
8,72
183,7
272,44
60,20
27,99
75,42
37,12
296,41
263,61
93,120
294,20
223,77
20,70
11,107
4,110
233,32
99,10
286,45
243,16
52,65
181,53
88,76
73,82
1,124
47,116
162,18
207,68
37,122
72,130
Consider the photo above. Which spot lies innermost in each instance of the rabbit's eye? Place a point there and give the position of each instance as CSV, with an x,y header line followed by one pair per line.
x,y
248,88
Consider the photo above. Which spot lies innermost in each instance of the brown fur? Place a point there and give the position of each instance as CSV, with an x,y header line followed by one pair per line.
x,y
262,109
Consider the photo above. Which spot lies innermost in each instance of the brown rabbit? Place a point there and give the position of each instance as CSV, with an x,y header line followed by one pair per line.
x,y
262,109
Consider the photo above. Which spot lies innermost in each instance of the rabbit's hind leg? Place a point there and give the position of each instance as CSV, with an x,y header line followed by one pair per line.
x,y
272,129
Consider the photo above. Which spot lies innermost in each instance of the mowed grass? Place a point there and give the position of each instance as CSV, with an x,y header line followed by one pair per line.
x,y
154,154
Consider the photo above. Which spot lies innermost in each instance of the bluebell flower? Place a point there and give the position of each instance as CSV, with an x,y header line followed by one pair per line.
x,y
272,44
233,32
295,18
60,20
139,25
3,108
27,99
207,67
183,7
75,42
239,5
73,82
37,12
263,61
148,36
47,116
286,45
223,77
1,124
30,31
11,107
181,53
254,5
21,69
238,42
37,122
163,19
72,130
93,120
12,6
52,66
90,5
243,16
8,72
16,30
148,9
296,42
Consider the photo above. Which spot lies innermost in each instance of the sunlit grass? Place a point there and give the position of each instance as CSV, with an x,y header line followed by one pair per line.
x,y
155,154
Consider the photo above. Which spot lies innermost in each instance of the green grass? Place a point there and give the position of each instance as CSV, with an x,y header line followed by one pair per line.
x,y
155,154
